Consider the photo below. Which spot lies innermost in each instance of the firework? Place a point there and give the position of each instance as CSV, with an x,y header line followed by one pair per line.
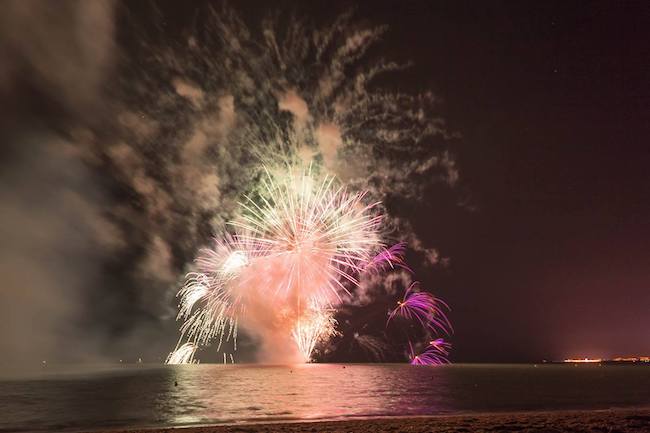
x,y
277,94
423,307
441,345
183,354
298,245
388,259
214,288
322,235
317,325
435,354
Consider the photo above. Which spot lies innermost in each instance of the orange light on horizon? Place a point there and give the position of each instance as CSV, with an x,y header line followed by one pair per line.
x,y
584,360
632,359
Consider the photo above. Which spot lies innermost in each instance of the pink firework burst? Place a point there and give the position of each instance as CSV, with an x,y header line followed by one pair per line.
x,y
290,255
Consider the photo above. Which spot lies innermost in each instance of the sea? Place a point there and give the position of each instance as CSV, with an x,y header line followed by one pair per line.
x,y
140,395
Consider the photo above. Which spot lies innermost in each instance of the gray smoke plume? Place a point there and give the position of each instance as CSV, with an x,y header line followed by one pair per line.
x,y
54,233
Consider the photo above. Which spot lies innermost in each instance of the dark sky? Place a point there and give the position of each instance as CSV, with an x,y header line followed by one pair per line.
x,y
552,101
550,255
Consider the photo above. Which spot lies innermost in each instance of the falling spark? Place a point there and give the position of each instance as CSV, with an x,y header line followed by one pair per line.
x,y
182,355
316,326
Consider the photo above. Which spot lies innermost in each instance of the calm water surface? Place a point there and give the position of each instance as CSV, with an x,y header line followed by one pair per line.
x,y
147,396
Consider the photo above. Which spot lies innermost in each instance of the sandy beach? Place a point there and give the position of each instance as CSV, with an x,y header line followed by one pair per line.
x,y
610,421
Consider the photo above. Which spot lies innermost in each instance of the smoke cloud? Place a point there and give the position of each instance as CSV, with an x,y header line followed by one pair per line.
x,y
54,232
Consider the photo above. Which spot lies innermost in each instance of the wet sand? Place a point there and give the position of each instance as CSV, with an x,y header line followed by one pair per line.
x,y
592,421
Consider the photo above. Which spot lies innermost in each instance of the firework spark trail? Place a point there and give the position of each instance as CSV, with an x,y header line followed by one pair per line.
x,y
215,288
435,354
441,345
388,259
317,325
428,310
183,354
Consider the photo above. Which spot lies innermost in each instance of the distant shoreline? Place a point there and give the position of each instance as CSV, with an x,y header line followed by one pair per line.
x,y
620,420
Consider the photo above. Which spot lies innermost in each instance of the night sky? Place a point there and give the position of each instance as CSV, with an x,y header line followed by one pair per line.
x,y
546,231
552,102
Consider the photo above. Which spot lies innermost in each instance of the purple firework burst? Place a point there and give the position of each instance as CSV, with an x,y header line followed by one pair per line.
x,y
423,307
389,258
435,354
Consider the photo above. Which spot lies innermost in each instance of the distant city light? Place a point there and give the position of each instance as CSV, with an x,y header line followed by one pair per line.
x,y
584,360
617,359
